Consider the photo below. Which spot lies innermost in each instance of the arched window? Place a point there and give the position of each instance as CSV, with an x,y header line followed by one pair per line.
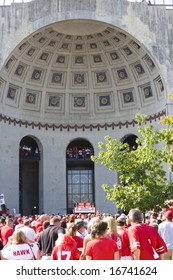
x,y
131,140
80,173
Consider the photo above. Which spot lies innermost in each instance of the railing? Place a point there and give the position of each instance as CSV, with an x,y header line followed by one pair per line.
x,y
9,2
156,2
153,2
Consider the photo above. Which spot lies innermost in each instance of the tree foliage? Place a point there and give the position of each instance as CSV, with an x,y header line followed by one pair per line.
x,y
142,182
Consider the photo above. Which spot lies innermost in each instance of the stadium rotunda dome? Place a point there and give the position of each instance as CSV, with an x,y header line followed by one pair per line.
x,y
80,72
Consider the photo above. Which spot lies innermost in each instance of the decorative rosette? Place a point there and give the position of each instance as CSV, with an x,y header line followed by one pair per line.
x,y
79,59
79,101
61,59
127,97
122,75
93,46
114,56
36,75
57,78
97,58
12,93
161,85
78,78
30,52
30,98
104,101
19,70
138,69
44,56
147,92
101,77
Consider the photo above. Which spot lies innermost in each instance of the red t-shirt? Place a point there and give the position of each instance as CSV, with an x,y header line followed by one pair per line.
x,y
79,241
148,240
66,251
123,233
118,241
101,249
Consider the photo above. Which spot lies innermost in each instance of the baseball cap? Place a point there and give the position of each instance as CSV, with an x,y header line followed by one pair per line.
x,y
20,220
169,214
121,218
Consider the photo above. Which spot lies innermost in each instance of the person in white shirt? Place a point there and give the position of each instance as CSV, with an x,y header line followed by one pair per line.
x,y
81,229
18,248
20,224
28,231
165,230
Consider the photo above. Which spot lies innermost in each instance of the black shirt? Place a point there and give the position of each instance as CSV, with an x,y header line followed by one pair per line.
x,y
48,237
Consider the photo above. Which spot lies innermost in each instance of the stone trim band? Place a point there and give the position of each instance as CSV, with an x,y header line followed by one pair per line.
x,y
75,127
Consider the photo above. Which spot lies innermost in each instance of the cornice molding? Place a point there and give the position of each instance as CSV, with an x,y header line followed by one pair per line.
x,y
61,127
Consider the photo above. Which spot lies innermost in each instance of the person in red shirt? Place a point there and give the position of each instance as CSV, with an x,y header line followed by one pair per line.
x,y
71,230
7,231
65,249
101,247
145,241
122,230
112,232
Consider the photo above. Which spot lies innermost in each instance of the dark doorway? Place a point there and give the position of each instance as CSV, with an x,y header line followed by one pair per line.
x,y
29,156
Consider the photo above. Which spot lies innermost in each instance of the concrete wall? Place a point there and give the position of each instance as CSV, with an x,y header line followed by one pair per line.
x,y
151,26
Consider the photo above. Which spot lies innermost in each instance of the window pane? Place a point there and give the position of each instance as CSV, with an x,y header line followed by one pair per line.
x,y
80,186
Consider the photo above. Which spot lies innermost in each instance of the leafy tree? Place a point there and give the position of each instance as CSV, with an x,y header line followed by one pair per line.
x,y
167,136
143,183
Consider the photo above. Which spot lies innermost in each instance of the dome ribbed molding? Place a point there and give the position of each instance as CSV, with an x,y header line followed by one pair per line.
x,y
67,76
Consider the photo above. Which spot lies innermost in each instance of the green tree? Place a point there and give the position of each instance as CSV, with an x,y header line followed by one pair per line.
x,y
167,136
143,183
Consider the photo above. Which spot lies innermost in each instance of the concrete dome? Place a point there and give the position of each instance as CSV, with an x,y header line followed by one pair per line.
x,y
80,72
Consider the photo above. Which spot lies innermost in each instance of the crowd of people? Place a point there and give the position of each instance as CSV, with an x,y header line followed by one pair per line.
x,y
88,236
28,151
79,153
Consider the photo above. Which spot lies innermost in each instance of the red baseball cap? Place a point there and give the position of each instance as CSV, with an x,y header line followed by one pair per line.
x,y
20,220
168,214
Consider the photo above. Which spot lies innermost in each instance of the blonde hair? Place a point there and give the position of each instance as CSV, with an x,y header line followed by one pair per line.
x,y
111,224
71,229
19,237
92,222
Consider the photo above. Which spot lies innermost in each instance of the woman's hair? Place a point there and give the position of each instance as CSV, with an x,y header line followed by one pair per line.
x,y
111,224
19,237
71,229
92,222
98,229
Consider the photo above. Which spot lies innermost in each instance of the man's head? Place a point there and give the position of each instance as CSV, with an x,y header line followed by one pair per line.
x,y
135,216
9,222
55,221
26,222
81,226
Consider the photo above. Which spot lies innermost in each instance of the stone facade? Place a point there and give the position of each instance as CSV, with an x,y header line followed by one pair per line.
x,y
72,69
